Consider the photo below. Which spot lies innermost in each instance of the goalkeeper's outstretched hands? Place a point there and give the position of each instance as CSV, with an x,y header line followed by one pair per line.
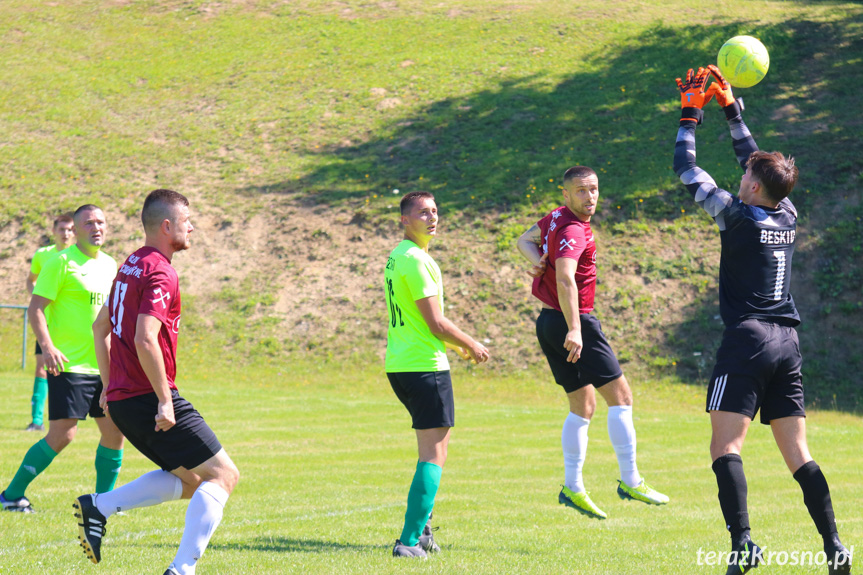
x,y
693,96
721,88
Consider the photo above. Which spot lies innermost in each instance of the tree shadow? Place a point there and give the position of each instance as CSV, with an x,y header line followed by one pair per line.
x,y
488,149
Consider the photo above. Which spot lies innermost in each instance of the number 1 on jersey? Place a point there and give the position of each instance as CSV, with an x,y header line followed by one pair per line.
x,y
780,275
117,307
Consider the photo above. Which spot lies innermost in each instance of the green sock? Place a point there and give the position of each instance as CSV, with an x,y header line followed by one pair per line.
x,y
108,462
35,461
37,403
420,501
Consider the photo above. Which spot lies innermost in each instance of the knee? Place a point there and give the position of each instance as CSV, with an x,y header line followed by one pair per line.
x,y
228,477
625,397
59,439
60,443
113,440
719,448
582,405
441,457
622,391
583,409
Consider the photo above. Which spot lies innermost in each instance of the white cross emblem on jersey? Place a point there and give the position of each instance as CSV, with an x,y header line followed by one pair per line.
x,y
161,297
567,244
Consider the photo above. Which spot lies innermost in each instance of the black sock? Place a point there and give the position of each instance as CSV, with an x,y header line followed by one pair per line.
x,y
732,495
816,495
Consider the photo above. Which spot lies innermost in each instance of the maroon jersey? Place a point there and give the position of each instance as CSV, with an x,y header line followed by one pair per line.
x,y
145,284
565,236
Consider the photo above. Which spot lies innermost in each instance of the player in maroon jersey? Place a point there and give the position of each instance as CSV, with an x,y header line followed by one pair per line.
x,y
136,346
562,249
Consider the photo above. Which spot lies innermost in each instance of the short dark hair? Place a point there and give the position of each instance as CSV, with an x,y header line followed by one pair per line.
x,y
158,207
409,199
63,219
578,172
86,208
777,173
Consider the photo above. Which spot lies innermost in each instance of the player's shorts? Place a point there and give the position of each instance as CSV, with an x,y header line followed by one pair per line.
x,y
758,367
427,397
188,444
74,396
597,365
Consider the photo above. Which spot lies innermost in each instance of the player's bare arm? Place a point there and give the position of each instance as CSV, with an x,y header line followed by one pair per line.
x,y
530,246
448,332
31,282
54,358
150,355
102,341
567,297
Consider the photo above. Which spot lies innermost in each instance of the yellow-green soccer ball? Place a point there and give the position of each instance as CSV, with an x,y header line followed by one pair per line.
x,y
743,61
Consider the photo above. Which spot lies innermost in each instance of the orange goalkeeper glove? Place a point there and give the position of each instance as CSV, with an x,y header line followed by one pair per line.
x,y
692,95
724,97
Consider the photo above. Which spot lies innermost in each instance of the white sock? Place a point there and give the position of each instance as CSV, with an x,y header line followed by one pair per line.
x,y
150,489
622,435
574,441
202,518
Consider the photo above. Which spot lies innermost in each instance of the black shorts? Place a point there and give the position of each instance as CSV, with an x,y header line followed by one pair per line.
x,y
38,348
74,396
427,395
597,365
188,444
758,367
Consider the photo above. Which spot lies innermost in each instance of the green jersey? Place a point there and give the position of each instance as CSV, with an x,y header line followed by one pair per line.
x,y
412,274
77,286
40,258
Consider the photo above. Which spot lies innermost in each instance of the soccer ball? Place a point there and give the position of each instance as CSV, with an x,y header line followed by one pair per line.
x,y
743,61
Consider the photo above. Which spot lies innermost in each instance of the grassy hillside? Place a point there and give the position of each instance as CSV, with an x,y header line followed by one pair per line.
x,y
291,124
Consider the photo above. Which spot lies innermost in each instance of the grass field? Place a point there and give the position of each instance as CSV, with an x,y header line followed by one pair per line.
x,y
326,462
270,115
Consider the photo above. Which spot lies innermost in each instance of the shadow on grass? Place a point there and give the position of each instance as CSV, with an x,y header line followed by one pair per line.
x,y
289,545
619,115
504,150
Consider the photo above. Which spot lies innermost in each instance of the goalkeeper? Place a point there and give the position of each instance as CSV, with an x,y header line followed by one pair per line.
x,y
758,362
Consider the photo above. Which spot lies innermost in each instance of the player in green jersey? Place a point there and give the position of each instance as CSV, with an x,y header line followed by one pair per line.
x,y
72,288
64,236
416,362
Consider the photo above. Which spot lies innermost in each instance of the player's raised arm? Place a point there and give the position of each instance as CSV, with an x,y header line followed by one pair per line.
x,y
699,183
741,139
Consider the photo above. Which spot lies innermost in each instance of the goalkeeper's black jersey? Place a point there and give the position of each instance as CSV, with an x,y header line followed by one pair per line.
x,y
757,242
